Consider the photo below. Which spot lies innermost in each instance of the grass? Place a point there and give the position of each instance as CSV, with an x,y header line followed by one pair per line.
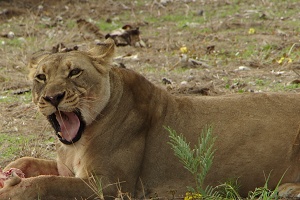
x,y
108,27
11,144
277,87
264,193
16,42
9,97
19,145
95,184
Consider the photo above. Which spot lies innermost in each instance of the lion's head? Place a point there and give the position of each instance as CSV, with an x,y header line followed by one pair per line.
x,y
71,88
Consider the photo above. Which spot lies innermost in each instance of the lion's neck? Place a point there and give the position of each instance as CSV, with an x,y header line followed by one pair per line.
x,y
135,96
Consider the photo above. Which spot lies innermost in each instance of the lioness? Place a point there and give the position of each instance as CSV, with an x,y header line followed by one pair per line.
x,y
110,126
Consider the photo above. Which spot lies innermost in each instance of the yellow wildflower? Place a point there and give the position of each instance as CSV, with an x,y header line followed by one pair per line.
x,y
251,31
192,196
280,61
290,60
183,49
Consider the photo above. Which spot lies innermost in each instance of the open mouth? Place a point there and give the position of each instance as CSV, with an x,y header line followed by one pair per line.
x,y
68,126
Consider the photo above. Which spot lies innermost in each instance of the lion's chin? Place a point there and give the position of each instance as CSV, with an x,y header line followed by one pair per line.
x,y
68,126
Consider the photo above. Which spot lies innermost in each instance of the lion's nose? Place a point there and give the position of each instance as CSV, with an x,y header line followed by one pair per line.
x,y
55,99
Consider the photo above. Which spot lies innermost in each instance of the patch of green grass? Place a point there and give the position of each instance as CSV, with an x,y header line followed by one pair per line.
x,y
15,42
264,193
108,27
283,87
228,10
70,24
180,20
12,145
149,68
249,51
260,82
9,97
292,86
240,91
229,190
268,47
42,26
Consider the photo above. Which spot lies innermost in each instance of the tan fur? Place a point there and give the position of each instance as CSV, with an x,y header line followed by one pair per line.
x,y
124,141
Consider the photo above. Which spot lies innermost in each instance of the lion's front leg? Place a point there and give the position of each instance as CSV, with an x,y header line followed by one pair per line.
x,y
34,167
48,187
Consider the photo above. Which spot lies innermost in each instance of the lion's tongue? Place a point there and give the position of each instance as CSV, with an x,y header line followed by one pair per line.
x,y
69,125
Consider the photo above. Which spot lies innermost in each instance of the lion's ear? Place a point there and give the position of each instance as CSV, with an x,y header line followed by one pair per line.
x,y
104,51
34,61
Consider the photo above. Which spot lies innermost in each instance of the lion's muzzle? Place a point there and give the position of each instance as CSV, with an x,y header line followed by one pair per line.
x,y
55,99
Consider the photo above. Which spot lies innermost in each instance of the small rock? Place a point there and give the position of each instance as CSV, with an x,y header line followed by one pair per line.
x,y
97,41
192,24
10,34
21,39
243,68
190,78
200,12
40,7
183,83
277,73
59,18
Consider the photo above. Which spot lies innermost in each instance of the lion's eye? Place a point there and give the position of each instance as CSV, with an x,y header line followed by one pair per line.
x,y
40,77
75,73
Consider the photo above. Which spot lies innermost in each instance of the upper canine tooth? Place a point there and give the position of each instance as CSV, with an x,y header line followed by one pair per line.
x,y
59,133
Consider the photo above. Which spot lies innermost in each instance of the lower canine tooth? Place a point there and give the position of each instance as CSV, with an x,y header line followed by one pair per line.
x,y
59,133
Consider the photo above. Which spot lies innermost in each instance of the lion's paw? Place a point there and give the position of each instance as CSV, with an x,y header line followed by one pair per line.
x,y
289,190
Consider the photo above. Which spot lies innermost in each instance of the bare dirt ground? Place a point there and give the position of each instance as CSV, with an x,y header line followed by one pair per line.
x,y
193,47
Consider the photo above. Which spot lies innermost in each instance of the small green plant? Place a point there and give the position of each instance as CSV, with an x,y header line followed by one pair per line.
x,y
95,183
229,190
264,193
197,161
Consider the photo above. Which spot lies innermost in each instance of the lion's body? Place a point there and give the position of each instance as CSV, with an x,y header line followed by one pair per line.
x,y
126,142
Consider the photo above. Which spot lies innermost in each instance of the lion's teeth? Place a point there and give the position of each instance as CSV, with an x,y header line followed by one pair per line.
x,y
59,133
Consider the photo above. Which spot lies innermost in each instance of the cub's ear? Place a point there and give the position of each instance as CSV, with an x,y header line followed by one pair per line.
x,y
103,52
34,61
